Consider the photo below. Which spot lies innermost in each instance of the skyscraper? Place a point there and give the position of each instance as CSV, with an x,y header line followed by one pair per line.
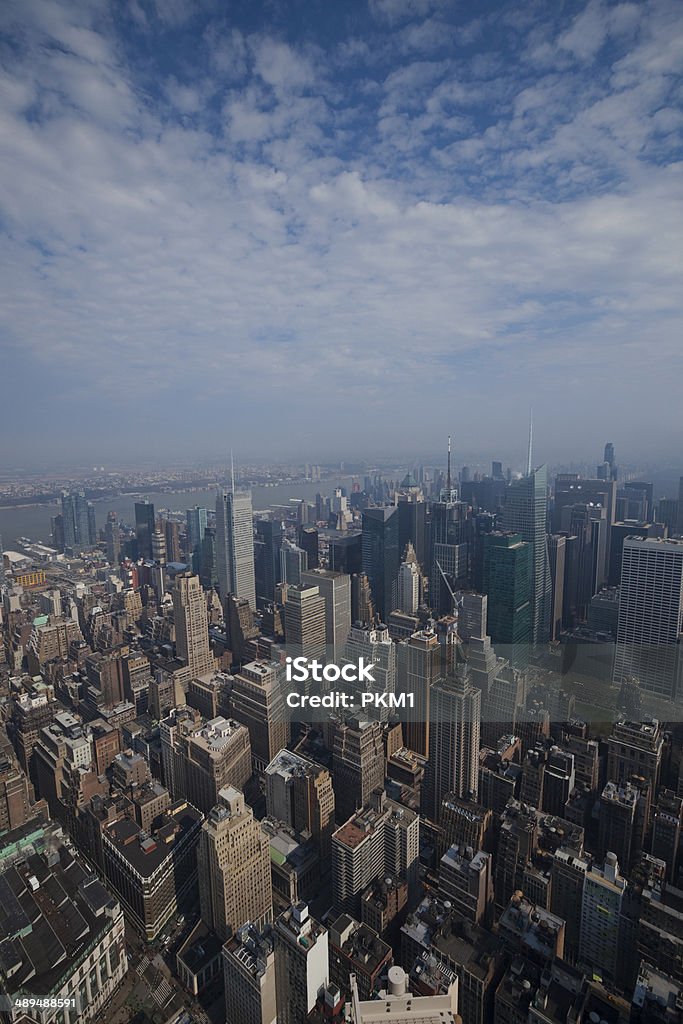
x,y
144,527
293,562
269,538
451,532
300,793
409,582
301,963
305,622
69,520
381,556
257,702
375,646
603,892
381,839
235,546
418,661
192,625
308,542
525,512
197,519
507,581
650,614
357,765
335,589
454,735
234,867
112,537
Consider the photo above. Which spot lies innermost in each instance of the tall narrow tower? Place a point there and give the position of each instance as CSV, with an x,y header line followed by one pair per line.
x,y
235,546
526,512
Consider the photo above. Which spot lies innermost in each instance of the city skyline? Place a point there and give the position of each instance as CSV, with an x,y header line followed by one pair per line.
x,y
206,211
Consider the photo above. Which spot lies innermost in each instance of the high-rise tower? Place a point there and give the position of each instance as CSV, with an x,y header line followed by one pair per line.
x,y
235,546
525,512
192,624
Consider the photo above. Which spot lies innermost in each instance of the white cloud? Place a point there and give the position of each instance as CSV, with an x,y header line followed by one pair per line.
x,y
296,230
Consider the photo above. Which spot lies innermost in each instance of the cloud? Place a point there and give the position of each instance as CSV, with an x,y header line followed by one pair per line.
x,y
337,223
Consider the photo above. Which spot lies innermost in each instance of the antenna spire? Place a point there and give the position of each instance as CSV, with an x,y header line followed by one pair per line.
x,y
448,474
232,472
531,441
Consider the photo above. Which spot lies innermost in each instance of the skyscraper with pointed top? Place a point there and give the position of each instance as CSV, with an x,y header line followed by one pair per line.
x,y
235,545
526,512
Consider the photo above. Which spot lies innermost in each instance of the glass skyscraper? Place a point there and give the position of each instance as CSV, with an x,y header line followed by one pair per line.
x,y
235,546
526,512
381,556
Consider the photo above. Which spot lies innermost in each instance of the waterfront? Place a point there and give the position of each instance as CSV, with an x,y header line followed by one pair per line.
x,y
34,520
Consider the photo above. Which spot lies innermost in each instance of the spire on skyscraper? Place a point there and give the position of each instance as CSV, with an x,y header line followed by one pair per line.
x,y
232,471
531,441
448,474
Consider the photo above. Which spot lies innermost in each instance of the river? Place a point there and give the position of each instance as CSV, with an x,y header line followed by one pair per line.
x,y
34,520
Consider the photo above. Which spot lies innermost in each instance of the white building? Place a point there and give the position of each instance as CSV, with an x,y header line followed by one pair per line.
x,y
301,963
650,614
398,1005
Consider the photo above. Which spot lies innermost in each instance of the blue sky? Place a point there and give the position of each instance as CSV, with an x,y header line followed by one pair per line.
x,y
308,228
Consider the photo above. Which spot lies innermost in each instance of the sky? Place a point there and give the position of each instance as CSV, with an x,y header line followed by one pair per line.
x,y
309,229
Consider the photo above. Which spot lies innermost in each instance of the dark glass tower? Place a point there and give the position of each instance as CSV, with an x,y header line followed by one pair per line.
x,y
267,547
507,583
381,556
526,512
144,527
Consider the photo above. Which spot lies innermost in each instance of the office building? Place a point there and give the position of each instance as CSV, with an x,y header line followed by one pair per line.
x,y
381,839
507,581
417,668
373,644
650,615
617,822
301,963
335,589
154,874
464,823
397,1004
305,633
144,528
453,742
63,938
299,792
568,874
603,893
666,832
450,528
192,625
196,522
466,881
525,513
362,607
409,584
435,931
249,976
293,562
357,765
356,951
346,553
234,867
235,546
257,701
308,542
267,549
202,757
112,537
531,931
380,556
